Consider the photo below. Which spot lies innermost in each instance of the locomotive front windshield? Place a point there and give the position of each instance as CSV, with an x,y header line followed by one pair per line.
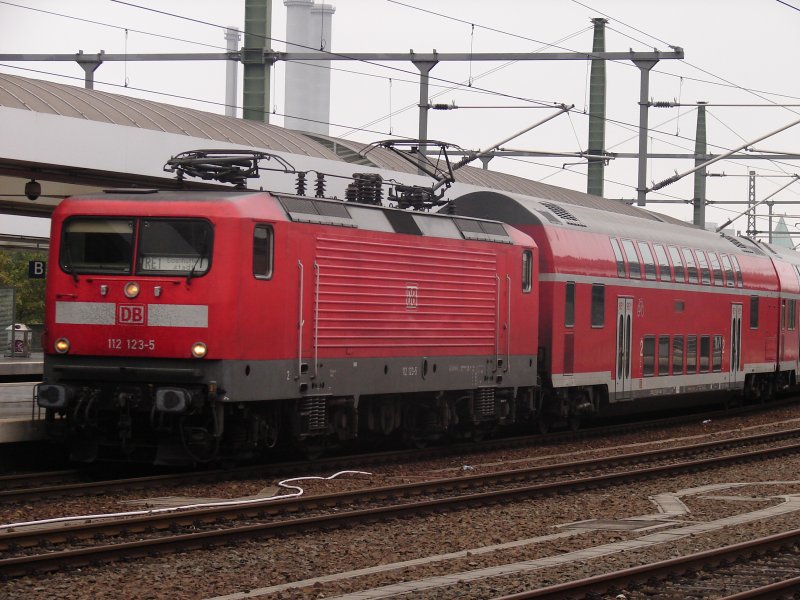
x,y
165,246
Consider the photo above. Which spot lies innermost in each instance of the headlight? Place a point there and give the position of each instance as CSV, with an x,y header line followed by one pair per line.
x,y
62,345
132,289
199,349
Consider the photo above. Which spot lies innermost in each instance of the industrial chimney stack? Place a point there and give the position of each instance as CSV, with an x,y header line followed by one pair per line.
x,y
308,86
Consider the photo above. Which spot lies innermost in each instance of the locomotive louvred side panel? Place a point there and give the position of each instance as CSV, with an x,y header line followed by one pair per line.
x,y
374,294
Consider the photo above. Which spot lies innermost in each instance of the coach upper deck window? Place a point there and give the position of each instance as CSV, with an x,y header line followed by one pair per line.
x,y
174,247
677,263
705,274
663,263
691,265
649,261
97,245
738,270
262,251
633,260
726,264
618,258
716,269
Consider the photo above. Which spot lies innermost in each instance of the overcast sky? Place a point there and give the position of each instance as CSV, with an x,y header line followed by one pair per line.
x,y
736,52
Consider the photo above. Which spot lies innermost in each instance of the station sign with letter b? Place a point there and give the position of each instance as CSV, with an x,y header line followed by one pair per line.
x,y
37,269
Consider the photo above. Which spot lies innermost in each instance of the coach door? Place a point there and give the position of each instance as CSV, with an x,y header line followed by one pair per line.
x,y
624,338
736,346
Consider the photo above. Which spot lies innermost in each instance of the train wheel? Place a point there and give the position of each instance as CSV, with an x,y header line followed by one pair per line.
x,y
544,423
574,423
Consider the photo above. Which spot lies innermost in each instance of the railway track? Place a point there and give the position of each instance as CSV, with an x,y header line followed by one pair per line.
x,y
764,568
29,487
211,526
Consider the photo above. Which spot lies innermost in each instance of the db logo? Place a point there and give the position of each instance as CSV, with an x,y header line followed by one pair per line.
x,y
412,296
131,314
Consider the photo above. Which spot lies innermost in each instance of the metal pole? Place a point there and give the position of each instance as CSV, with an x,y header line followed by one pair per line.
x,y
700,149
89,64
232,36
257,70
424,67
644,104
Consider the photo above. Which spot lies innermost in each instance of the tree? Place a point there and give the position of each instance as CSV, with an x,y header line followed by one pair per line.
x,y
29,292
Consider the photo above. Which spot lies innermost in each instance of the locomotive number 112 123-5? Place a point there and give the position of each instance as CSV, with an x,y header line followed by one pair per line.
x,y
131,344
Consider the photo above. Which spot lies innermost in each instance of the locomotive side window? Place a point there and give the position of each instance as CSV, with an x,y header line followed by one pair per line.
x,y
618,258
648,355
715,268
691,266
97,245
753,312
598,305
677,262
174,247
705,353
569,305
262,252
633,260
705,274
663,263
649,262
677,355
527,270
663,355
726,264
691,354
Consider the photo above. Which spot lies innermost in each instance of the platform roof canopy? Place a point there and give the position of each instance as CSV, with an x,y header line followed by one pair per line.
x,y
74,140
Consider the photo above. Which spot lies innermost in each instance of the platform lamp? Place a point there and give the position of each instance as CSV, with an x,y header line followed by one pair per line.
x,y
33,189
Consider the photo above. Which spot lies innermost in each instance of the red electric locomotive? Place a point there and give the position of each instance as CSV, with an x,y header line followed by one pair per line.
x,y
190,326
639,311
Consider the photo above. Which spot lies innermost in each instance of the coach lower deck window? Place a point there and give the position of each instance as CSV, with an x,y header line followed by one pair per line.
x,y
569,305
691,354
648,355
598,305
677,355
716,354
663,355
677,263
634,265
753,312
705,353
97,245
527,270
262,252
792,314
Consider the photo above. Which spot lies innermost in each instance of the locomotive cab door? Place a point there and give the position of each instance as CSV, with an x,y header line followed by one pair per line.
x,y
736,376
622,379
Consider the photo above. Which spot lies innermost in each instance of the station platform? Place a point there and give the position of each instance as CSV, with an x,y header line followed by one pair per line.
x,y
19,429
16,367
